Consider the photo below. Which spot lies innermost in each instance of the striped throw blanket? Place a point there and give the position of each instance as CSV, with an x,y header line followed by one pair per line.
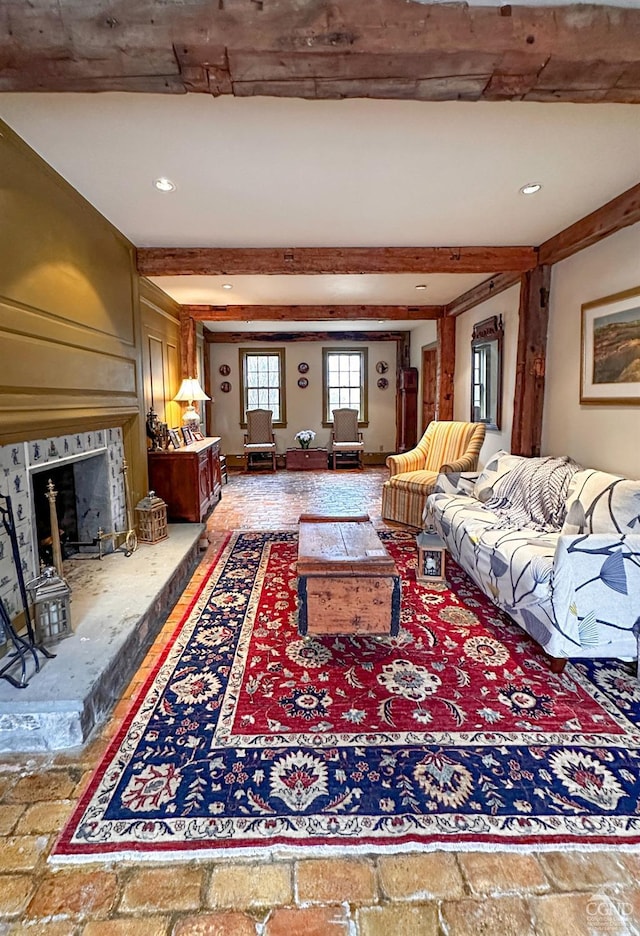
x,y
533,494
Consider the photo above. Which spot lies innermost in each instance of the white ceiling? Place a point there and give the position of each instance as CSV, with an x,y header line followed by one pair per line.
x,y
266,172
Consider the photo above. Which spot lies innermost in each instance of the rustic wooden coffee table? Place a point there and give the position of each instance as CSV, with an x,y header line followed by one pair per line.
x,y
347,581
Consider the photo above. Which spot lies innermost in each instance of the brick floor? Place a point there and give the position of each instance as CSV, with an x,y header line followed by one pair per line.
x,y
548,894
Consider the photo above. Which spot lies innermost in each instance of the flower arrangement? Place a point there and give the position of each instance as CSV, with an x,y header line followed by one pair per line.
x,y
305,437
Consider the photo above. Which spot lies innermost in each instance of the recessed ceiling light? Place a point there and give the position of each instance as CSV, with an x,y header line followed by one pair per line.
x,y
227,286
164,185
531,188
421,286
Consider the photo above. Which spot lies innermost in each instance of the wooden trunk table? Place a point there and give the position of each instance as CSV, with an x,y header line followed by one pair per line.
x,y
311,459
347,581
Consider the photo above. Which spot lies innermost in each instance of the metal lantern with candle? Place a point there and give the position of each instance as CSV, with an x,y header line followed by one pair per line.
x,y
151,519
51,598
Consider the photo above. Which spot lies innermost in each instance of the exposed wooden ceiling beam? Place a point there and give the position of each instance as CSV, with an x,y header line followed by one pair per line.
x,y
311,313
229,261
619,213
480,293
325,49
326,336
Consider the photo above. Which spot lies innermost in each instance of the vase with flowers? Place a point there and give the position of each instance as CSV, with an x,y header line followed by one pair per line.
x,y
305,437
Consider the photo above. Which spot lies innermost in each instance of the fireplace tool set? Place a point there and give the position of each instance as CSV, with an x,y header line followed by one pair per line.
x,y
21,647
126,538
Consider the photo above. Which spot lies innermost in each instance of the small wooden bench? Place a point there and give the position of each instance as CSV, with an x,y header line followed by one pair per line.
x,y
347,581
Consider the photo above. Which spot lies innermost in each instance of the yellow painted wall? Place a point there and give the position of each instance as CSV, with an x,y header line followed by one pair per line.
x,y
160,317
70,336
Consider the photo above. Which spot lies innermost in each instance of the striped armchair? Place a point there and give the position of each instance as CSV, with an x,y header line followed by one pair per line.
x,y
446,447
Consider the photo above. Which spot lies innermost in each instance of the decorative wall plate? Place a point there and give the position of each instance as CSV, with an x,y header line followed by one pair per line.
x,y
382,367
303,383
303,367
225,386
383,383
225,370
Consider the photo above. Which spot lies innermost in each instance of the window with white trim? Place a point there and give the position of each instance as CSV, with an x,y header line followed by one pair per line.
x,y
262,383
345,381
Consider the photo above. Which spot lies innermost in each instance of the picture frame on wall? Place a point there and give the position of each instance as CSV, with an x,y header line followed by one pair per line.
x,y
610,350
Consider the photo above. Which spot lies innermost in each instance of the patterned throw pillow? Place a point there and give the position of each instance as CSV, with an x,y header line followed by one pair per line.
x,y
497,467
598,502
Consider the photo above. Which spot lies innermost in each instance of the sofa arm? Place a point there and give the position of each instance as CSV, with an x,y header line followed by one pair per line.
x,y
413,460
596,588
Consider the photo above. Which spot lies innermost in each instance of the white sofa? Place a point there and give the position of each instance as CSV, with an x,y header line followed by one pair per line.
x,y
560,553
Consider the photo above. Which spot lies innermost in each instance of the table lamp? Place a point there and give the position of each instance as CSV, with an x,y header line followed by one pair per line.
x,y
189,391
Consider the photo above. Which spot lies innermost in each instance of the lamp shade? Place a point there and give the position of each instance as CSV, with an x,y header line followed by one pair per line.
x,y
189,391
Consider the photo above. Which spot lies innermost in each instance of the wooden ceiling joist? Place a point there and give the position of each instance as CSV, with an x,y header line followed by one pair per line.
x,y
480,293
286,337
619,213
221,261
326,49
311,313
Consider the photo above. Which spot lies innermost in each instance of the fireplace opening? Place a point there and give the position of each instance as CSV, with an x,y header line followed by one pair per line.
x,y
83,506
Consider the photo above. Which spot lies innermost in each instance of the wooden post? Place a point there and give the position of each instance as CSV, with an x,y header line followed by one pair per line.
x,y
188,348
528,401
208,389
445,367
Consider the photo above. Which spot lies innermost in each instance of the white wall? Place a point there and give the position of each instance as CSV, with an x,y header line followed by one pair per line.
x,y
304,407
597,436
505,304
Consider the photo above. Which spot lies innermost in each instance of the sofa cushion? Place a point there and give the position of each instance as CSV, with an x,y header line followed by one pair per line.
x,y
498,465
417,482
598,502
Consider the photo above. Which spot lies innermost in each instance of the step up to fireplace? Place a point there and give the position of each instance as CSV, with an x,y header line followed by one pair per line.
x,y
118,606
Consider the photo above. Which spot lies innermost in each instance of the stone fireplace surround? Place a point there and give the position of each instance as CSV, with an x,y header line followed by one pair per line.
x,y
118,603
97,457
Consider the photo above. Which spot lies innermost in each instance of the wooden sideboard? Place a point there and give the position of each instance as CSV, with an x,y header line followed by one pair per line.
x,y
187,479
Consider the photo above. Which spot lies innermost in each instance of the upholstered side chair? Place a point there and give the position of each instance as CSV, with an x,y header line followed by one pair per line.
x,y
259,438
445,447
346,440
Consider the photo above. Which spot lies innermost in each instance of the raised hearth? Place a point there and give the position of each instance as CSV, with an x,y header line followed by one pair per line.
x,y
118,606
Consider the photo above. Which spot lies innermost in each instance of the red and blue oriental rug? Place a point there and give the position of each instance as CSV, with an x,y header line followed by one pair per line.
x,y
454,734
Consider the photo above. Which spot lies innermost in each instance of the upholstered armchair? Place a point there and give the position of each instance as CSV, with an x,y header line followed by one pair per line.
x,y
446,447
346,440
259,438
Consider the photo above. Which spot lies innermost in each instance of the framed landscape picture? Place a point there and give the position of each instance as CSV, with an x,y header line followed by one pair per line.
x,y
610,354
